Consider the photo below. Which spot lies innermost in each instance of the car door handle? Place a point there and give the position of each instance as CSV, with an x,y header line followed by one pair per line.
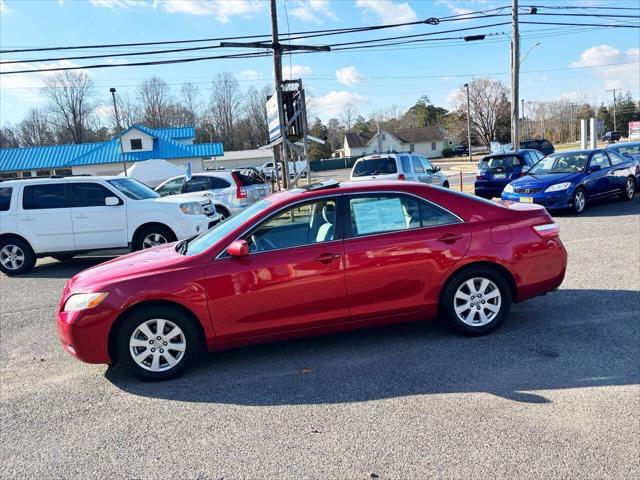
x,y
80,216
450,237
327,257
26,219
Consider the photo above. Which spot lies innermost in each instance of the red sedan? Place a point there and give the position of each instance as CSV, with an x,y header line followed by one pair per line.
x,y
303,262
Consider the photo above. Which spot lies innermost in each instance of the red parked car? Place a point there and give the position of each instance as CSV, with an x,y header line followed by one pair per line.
x,y
303,262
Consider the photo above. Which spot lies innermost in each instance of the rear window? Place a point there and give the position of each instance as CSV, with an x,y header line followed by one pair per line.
x,y
505,162
216,182
375,166
5,198
249,177
35,197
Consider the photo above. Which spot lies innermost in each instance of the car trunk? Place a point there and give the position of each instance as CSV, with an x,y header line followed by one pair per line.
x,y
498,171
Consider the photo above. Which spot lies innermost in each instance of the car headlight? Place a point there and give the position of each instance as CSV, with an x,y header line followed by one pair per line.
x,y
558,187
84,301
192,208
508,188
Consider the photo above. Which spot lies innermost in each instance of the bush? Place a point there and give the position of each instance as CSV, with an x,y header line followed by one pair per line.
x,y
447,153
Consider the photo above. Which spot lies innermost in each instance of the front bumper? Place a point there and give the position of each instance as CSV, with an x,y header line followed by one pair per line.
x,y
551,200
85,334
191,225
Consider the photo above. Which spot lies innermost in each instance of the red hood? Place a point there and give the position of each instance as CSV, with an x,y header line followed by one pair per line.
x,y
129,266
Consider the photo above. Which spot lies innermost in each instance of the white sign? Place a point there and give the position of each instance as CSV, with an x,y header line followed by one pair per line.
x,y
378,216
273,119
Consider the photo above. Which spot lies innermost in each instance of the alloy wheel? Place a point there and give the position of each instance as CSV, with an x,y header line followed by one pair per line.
x,y
631,188
157,345
579,200
477,301
153,240
11,257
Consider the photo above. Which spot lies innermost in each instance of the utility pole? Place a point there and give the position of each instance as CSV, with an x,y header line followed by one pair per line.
x,y
524,123
468,122
277,49
115,108
515,77
614,90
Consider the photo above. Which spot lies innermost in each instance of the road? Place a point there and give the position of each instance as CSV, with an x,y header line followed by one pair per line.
x,y
552,394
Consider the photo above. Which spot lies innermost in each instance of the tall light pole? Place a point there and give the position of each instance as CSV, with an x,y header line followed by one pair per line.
x,y
115,108
466,85
614,107
515,77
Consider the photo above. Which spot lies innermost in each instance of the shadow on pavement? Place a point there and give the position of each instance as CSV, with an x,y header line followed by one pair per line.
x,y
607,207
65,269
567,339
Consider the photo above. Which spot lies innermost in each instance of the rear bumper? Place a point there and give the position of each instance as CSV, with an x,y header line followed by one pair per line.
x,y
481,190
551,201
543,271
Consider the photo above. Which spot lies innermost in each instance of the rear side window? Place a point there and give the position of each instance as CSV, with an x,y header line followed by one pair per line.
x,y
197,184
5,198
375,166
505,162
432,215
216,182
171,187
89,195
417,165
616,158
406,164
36,197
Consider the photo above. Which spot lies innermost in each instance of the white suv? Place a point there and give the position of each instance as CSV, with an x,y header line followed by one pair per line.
x,y
229,190
61,217
398,166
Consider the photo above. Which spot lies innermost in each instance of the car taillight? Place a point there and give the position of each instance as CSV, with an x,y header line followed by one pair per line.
x,y
479,177
241,191
547,230
401,177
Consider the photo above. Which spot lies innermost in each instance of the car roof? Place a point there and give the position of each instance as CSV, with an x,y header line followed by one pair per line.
x,y
59,179
613,146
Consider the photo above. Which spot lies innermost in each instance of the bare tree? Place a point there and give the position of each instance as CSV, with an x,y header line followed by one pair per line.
x,y
256,114
9,137
128,111
190,97
488,104
226,107
35,130
348,116
155,102
70,95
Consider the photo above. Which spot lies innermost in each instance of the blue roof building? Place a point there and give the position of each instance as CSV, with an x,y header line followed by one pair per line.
x,y
138,143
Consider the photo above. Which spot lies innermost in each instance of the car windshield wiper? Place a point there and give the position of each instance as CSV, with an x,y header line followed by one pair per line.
x,y
183,246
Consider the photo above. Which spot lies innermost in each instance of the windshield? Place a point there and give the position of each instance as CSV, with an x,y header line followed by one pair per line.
x,y
133,188
506,162
375,166
221,230
560,163
627,149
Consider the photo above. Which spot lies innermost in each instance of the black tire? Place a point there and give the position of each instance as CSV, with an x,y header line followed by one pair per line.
x,y
16,252
190,334
579,205
449,302
629,189
63,257
445,184
140,243
223,211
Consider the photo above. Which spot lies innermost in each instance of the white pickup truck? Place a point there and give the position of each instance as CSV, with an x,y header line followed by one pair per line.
x,y
61,217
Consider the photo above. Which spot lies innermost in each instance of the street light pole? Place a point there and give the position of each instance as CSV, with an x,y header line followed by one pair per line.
x,y
515,77
614,108
468,123
115,108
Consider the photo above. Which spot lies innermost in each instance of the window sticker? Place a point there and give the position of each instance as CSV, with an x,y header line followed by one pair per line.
x,y
378,215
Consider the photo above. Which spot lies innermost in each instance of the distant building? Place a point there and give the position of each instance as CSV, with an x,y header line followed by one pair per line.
x,y
428,141
176,145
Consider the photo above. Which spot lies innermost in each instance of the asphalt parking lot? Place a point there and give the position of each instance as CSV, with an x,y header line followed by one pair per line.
x,y
554,393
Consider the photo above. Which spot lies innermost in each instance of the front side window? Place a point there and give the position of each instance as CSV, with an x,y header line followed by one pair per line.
x,y
600,159
171,187
136,144
427,164
36,197
391,213
417,164
89,195
5,198
133,188
304,224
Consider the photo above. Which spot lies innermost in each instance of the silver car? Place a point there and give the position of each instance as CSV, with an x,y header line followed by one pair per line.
x,y
398,166
230,191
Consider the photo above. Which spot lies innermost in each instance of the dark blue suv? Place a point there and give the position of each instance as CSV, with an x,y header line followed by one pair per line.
x,y
498,169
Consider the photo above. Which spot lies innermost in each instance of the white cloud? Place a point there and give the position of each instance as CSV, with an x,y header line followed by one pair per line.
x,y
4,8
388,11
348,76
121,3
222,10
250,75
313,11
333,103
295,71
626,77
453,5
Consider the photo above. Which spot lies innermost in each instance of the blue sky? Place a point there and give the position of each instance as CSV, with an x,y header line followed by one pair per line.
x,y
370,79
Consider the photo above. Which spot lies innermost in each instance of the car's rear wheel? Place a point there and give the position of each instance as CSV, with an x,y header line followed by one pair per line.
x,y
16,256
445,184
476,301
629,189
223,211
152,237
579,203
157,343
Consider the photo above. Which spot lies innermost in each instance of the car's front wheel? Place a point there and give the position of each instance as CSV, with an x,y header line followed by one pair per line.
x,y
158,343
629,189
152,237
16,256
476,301
579,203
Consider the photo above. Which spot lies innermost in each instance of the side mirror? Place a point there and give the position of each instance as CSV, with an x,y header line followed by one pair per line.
x,y
595,168
238,249
111,201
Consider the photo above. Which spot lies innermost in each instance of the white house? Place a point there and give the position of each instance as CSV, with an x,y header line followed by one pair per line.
x,y
428,141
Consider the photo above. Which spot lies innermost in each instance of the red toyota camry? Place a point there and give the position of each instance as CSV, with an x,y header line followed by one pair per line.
x,y
303,262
